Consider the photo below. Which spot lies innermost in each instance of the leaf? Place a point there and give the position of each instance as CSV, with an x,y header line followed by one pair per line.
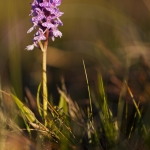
x,y
25,110
38,100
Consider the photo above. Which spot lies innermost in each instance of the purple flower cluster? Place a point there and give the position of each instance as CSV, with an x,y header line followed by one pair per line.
x,y
45,17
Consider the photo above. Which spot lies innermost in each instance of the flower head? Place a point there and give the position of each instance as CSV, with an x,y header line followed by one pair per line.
x,y
45,17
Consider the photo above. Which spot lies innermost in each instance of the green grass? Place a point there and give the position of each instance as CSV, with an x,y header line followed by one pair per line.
x,y
69,126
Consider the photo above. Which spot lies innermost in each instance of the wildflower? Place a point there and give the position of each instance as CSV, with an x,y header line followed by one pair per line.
x,y
45,17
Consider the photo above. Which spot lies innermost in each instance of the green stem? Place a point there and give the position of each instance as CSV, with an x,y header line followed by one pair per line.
x,y
44,77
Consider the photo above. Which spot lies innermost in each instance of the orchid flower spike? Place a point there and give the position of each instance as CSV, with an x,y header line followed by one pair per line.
x,y
45,17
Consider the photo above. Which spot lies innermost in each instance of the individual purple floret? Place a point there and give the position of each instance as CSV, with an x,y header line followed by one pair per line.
x,y
45,17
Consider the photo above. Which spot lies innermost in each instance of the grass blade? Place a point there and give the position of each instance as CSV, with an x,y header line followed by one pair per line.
x,y
38,100
87,81
137,108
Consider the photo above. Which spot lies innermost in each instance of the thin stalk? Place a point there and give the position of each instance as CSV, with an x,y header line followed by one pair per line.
x,y
44,76
44,81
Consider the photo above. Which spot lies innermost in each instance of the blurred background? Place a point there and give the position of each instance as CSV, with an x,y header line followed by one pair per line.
x,y
110,36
